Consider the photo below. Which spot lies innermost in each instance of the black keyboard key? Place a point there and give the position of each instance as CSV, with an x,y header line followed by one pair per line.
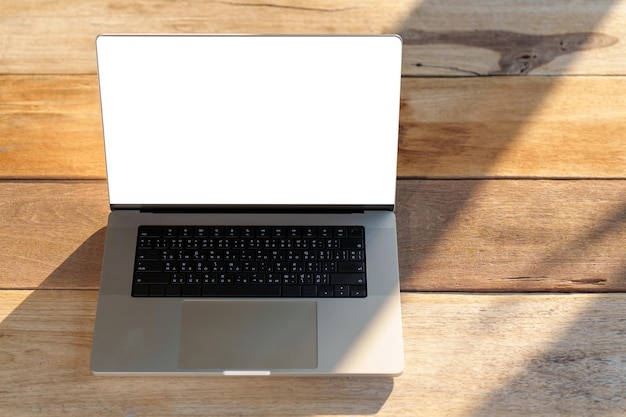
x,y
247,231
173,290
309,291
231,231
192,290
279,231
152,278
178,277
352,244
201,231
141,290
357,291
325,291
149,266
157,290
150,231
241,290
325,232
356,231
161,243
321,278
347,279
170,231
332,243
185,231
350,267
149,255
145,243
342,290
216,231
355,255
291,291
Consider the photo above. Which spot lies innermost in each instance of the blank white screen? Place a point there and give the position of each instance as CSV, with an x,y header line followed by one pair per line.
x,y
250,119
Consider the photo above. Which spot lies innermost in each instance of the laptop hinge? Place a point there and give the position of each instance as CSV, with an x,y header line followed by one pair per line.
x,y
251,208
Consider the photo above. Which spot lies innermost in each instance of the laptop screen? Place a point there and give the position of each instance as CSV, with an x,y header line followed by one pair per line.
x,y
250,120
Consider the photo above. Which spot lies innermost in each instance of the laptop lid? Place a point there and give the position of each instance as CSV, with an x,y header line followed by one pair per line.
x,y
199,120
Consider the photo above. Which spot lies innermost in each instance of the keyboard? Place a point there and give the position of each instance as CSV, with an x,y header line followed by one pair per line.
x,y
255,261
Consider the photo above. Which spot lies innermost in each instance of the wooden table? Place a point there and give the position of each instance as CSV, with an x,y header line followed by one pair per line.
x,y
511,209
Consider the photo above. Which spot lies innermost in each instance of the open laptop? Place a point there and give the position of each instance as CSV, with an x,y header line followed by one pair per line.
x,y
252,186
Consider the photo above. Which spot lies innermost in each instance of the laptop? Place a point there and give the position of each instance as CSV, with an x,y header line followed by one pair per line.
x,y
252,186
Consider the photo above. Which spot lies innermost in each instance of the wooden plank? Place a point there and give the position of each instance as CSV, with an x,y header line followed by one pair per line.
x,y
50,127
537,127
59,37
479,355
538,37
504,235
52,234
512,235
458,37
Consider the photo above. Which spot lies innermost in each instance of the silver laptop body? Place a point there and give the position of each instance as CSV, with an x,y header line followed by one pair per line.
x,y
205,130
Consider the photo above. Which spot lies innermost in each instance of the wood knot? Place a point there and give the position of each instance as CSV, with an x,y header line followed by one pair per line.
x,y
520,53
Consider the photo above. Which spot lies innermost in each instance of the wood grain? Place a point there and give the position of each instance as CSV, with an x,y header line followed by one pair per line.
x,y
52,233
537,127
512,235
50,127
465,355
518,53
494,127
537,37
504,235
464,37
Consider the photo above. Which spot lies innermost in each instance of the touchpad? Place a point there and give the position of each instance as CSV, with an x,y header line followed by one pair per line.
x,y
248,335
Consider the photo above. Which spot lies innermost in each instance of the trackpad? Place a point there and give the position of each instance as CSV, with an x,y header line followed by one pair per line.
x,y
248,335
